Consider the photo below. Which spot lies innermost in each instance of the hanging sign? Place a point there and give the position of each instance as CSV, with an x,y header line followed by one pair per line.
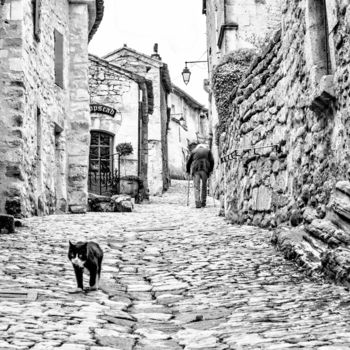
x,y
97,108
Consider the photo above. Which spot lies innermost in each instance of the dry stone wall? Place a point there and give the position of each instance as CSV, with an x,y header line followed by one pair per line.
x,y
300,152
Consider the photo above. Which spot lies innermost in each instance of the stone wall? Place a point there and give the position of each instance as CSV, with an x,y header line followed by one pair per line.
x,y
256,20
31,170
12,101
45,127
300,150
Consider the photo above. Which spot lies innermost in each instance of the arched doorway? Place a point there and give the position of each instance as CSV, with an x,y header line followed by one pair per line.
x,y
101,163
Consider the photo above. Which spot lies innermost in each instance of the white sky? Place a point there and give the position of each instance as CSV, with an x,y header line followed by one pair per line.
x,y
178,26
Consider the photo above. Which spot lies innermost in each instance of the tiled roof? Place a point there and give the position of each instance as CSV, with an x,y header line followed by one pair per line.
x,y
189,99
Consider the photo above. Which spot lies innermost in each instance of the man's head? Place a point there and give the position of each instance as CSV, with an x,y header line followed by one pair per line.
x,y
192,145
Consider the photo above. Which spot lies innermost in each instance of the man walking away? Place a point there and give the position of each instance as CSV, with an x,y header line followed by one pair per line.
x,y
200,165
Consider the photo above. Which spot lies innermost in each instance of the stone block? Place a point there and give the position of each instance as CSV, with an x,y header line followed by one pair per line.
x,y
262,198
16,64
122,203
77,209
343,186
13,206
299,246
7,223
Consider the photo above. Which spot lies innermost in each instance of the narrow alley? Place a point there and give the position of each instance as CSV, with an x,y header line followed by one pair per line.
x,y
173,277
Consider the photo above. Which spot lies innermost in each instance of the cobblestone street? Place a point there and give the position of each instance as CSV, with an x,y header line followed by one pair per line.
x,y
194,282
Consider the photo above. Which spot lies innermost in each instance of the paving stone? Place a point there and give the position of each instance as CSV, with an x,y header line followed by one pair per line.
x,y
204,285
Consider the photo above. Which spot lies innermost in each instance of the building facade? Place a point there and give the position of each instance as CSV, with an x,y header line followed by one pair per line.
x,y
188,123
153,69
44,104
120,104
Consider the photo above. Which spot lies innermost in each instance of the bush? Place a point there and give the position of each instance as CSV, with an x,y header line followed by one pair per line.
x,y
124,149
227,75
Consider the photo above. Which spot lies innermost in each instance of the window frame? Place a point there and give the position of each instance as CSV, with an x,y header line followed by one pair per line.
x,y
59,58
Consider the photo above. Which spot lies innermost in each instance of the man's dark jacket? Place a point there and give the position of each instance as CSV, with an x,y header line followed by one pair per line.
x,y
200,159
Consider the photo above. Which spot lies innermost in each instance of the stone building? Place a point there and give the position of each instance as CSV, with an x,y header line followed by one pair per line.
x,y
153,69
188,122
285,132
121,102
233,25
44,104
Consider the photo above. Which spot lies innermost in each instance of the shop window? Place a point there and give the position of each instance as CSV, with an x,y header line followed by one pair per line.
x,y
59,61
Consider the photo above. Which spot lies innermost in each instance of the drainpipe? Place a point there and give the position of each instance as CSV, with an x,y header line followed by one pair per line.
x,y
139,139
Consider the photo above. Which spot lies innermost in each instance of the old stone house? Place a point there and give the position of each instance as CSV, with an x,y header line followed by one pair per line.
x,y
233,25
44,104
188,122
153,69
120,104
284,131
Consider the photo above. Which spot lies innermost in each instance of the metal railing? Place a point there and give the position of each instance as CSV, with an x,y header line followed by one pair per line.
x,y
103,179
234,154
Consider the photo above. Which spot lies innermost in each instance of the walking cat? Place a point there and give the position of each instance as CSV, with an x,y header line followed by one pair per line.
x,y
86,255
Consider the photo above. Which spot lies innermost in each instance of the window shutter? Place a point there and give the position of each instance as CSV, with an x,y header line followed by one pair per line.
x,y
37,6
58,37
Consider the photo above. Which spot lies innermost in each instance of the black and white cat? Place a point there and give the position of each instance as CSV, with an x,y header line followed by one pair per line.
x,y
86,255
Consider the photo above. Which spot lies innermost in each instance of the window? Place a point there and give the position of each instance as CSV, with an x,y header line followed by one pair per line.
x,y
58,38
36,19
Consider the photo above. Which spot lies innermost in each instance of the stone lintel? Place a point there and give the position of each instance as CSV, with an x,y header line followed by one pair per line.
x,y
223,29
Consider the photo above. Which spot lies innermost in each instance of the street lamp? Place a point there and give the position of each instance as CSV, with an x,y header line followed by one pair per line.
x,y
186,73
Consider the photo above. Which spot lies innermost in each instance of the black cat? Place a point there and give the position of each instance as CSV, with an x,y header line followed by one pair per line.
x,y
86,255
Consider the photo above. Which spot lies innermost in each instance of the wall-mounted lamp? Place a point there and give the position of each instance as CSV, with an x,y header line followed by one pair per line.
x,y
186,73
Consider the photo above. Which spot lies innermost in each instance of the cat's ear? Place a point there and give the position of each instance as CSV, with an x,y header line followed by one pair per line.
x,y
71,244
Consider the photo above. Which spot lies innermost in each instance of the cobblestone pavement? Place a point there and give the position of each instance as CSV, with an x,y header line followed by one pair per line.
x,y
200,284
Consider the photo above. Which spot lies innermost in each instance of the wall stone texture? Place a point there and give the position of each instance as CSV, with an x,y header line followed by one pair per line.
x,y
44,128
301,150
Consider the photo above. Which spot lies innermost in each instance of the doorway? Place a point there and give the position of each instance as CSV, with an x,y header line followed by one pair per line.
x,y
101,163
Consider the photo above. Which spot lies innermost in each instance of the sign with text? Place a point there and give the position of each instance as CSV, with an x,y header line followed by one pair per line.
x,y
97,108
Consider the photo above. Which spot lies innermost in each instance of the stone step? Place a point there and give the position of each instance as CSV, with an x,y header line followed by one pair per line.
x,y
336,264
296,244
326,231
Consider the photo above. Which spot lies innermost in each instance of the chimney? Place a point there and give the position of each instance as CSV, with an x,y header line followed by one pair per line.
x,y
155,53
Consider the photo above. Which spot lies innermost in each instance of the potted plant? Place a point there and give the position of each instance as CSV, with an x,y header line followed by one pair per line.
x,y
124,149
